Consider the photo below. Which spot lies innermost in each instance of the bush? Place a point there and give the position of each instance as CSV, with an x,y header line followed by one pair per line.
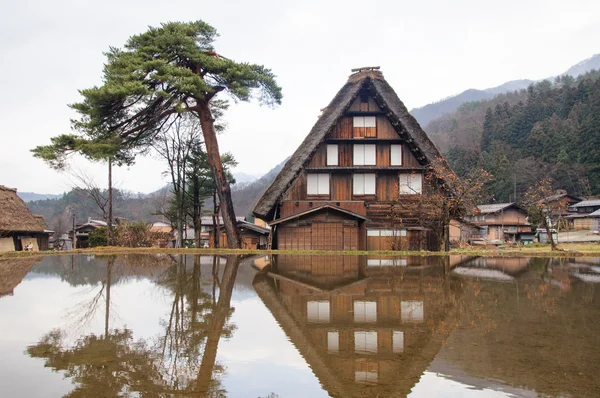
x,y
98,237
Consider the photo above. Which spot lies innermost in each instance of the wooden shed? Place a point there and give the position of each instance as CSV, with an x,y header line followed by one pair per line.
x,y
359,180
253,236
18,227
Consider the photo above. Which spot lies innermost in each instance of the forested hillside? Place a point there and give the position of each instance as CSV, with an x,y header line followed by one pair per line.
x,y
58,213
429,112
552,129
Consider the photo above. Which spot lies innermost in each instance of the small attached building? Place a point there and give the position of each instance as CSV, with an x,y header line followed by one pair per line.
x,y
359,179
18,227
253,236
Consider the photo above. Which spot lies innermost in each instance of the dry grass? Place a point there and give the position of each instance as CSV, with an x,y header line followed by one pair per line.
x,y
537,250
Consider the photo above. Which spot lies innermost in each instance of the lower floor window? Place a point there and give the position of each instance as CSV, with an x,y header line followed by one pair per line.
x,y
363,184
410,184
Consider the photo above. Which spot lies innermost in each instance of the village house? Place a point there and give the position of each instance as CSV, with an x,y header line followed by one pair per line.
x,y
502,222
359,179
19,229
82,232
580,214
559,205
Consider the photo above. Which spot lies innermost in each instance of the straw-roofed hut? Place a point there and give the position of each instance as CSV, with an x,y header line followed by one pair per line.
x,y
18,227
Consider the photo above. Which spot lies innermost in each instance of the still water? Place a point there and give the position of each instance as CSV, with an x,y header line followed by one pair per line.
x,y
299,326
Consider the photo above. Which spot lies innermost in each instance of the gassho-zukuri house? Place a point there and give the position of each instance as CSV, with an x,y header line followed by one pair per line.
x,y
358,181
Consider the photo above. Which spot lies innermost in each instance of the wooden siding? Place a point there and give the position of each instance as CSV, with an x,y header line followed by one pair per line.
x,y
387,186
289,208
341,186
318,236
359,106
385,129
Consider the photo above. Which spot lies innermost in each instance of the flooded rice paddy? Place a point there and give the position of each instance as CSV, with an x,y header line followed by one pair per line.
x,y
299,326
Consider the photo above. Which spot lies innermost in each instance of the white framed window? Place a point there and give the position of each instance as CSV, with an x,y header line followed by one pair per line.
x,y
397,342
364,155
365,311
386,262
365,377
318,311
411,311
332,155
386,232
333,341
411,184
363,184
396,155
364,121
365,342
317,184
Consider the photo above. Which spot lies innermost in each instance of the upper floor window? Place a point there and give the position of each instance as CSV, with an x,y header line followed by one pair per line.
x,y
396,155
411,184
332,155
364,121
364,126
364,155
317,184
363,184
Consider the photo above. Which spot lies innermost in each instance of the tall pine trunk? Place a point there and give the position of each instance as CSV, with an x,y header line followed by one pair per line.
x,y
223,190
109,225
216,230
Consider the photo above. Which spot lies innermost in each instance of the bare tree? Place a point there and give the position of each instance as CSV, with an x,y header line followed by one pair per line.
x,y
174,145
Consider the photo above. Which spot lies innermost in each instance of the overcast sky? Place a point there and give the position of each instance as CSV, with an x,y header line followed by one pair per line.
x,y
427,50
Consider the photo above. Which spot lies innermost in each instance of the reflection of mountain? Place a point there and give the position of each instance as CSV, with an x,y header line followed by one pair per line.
x,y
367,327
12,272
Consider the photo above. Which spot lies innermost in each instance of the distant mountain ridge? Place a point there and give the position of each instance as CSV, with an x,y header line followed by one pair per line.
x,y
427,113
31,196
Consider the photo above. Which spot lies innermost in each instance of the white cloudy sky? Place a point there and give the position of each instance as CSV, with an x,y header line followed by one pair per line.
x,y
428,49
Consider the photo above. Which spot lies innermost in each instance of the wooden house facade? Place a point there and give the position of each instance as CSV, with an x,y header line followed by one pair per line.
x,y
19,228
359,179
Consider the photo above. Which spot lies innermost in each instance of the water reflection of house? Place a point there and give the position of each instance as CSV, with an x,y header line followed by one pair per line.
x,y
531,334
503,222
366,326
500,268
18,227
12,272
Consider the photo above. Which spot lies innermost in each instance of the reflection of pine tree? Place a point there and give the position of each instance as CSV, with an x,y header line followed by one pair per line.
x,y
182,360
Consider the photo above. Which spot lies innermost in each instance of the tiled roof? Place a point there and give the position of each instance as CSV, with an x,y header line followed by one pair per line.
x,y
493,208
586,203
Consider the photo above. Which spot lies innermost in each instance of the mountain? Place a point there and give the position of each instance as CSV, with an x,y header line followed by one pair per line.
x,y
243,178
245,197
30,196
551,130
584,66
429,112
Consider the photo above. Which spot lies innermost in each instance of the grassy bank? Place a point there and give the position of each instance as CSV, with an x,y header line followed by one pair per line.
x,y
567,250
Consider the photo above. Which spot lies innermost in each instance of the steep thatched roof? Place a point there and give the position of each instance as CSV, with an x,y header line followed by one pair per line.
x,y
404,123
41,221
14,214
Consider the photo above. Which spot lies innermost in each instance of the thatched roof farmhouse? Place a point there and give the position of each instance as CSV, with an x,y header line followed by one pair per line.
x,y
18,227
